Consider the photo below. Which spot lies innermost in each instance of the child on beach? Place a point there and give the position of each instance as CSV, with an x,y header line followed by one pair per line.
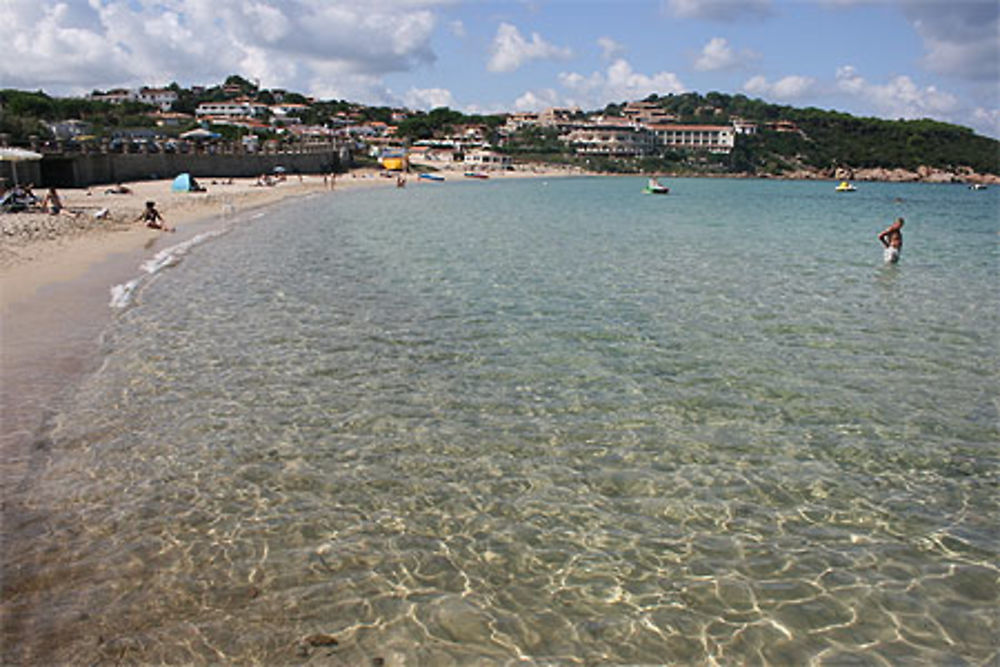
x,y
153,219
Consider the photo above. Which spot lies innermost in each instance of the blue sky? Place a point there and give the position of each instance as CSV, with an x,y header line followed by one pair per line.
x,y
888,58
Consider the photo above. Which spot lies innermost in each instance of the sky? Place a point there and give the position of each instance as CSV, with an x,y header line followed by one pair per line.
x,y
891,59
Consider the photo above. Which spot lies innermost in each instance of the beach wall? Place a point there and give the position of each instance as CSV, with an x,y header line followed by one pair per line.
x,y
76,170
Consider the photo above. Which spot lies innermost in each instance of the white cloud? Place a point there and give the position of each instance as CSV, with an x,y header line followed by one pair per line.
x,y
619,82
987,121
457,28
899,98
428,98
788,88
71,47
717,54
510,50
616,83
719,10
610,48
538,100
960,37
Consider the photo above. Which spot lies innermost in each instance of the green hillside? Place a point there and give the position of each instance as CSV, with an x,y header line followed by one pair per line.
x,y
829,138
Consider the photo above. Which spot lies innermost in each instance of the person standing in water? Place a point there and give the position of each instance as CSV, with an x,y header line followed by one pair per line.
x,y
892,240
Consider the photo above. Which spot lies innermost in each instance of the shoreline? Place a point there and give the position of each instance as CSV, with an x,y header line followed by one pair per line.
x,y
56,272
56,275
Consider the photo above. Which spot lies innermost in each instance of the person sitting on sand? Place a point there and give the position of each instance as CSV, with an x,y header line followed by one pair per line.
x,y
153,219
52,204
892,241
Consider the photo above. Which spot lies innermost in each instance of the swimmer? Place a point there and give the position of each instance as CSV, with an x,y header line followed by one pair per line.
x,y
892,240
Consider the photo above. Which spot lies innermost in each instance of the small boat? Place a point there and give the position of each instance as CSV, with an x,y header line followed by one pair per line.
x,y
845,187
654,187
431,177
476,174
977,186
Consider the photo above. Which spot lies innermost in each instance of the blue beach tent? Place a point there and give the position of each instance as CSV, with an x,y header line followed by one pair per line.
x,y
186,183
182,183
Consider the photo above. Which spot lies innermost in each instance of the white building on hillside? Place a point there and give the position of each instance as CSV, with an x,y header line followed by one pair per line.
x,y
712,138
113,96
163,98
231,109
520,119
611,139
288,113
487,160
743,126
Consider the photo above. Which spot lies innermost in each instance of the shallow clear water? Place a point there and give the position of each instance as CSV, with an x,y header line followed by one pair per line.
x,y
551,421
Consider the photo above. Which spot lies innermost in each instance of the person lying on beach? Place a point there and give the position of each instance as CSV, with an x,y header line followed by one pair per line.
x,y
153,219
118,190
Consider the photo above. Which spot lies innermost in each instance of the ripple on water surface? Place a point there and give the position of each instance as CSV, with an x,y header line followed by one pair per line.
x,y
557,422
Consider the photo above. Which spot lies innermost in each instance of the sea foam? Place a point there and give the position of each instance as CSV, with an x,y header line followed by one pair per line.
x,y
123,295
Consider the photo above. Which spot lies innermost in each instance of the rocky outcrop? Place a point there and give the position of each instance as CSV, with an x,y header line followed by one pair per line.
x,y
923,174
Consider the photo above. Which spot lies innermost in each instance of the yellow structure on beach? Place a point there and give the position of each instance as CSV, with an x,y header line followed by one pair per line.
x,y
394,160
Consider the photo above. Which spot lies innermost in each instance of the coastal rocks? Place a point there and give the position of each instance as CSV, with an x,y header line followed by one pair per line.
x,y
923,174
305,646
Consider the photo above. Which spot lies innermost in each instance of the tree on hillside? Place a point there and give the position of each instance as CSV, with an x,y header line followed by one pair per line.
x,y
246,87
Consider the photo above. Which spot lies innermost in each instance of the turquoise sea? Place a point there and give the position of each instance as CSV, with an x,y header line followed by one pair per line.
x,y
536,422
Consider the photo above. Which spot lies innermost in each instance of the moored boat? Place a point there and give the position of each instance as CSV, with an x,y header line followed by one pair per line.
x,y
476,174
845,187
431,177
654,187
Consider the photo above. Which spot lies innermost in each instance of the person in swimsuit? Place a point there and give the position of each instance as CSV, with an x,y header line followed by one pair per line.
x,y
152,218
52,203
892,241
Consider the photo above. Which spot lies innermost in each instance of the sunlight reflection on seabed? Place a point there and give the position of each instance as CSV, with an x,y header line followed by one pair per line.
x,y
556,424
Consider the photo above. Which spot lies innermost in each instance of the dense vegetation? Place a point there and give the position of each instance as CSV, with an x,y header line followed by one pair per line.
x,y
829,138
22,114
443,121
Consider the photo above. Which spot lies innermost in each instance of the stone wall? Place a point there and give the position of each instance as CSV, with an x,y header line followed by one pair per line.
x,y
83,169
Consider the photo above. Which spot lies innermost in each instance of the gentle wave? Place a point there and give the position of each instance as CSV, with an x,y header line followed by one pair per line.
x,y
122,295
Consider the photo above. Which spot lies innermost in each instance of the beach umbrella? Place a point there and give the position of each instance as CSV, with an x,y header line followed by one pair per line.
x,y
15,155
200,133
